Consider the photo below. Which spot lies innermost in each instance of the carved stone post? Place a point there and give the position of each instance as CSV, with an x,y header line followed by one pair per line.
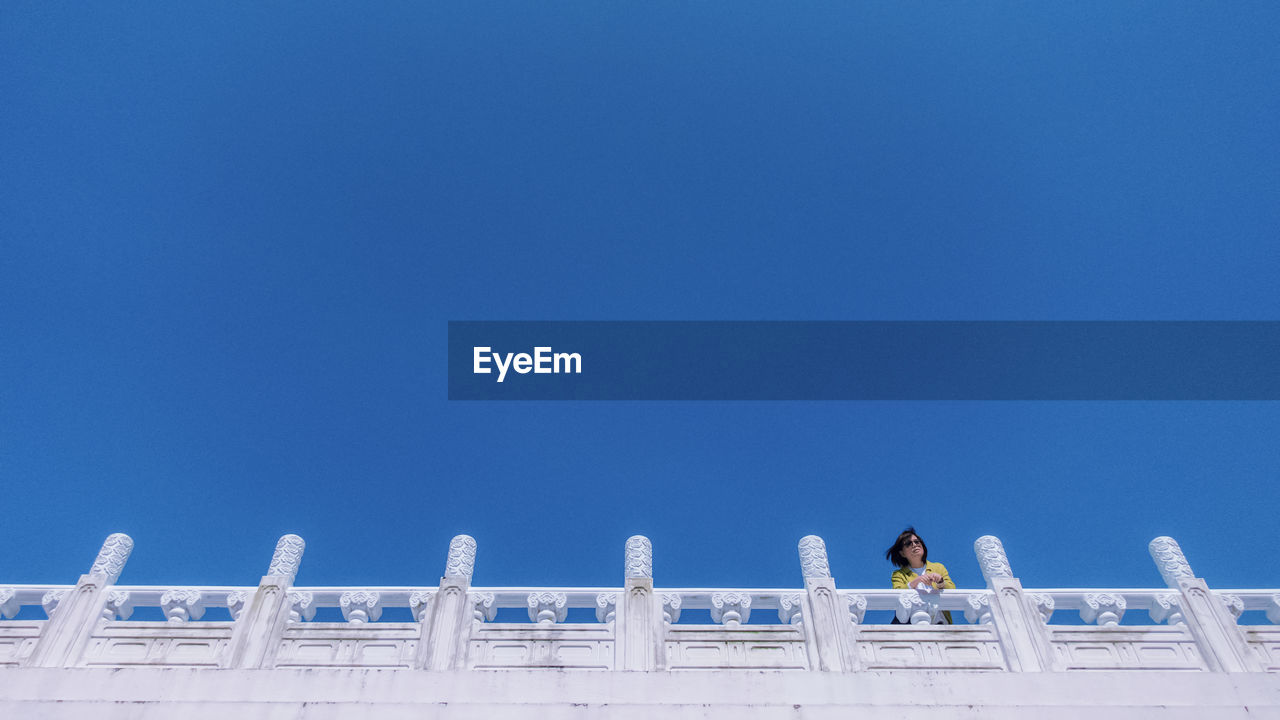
x,y
1214,628
64,637
640,634
446,625
1024,639
828,627
264,616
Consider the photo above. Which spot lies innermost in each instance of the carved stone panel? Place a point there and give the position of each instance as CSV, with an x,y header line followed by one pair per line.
x,y
17,640
1155,647
950,647
774,648
382,645
584,647
125,644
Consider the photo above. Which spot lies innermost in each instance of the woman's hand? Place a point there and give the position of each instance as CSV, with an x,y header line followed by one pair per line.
x,y
930,580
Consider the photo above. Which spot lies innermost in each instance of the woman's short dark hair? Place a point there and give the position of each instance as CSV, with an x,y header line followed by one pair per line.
x,y
894,554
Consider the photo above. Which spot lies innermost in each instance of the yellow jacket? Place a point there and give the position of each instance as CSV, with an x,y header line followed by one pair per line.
x,y
902,578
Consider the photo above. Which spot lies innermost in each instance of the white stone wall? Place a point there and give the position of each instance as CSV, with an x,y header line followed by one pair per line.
x,y
315,652
360,694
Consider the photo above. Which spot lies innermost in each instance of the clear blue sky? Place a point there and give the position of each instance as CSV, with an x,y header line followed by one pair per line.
x,y
231,238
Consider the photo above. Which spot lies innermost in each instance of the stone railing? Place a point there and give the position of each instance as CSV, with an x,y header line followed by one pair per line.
x,y
817,627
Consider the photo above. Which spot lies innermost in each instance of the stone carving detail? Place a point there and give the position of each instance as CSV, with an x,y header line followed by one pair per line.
x,y
50,601
1167,607
857,607
360,606
420,603
1233,603
790,609
639,559
287,556
730,609
236,602
112,557
1197,593
991,558
482,607
670,608
606,607
8,602
1273,610
300,606
979,609
913,609
548,608
117,604
1043,604
1169,558
182,605
461,562
813,557
1102,608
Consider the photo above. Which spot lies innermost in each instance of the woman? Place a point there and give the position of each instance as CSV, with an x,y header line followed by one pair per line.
x,y
914,571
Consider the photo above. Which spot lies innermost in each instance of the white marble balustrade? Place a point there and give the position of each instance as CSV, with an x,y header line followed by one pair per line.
x,y
637,626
